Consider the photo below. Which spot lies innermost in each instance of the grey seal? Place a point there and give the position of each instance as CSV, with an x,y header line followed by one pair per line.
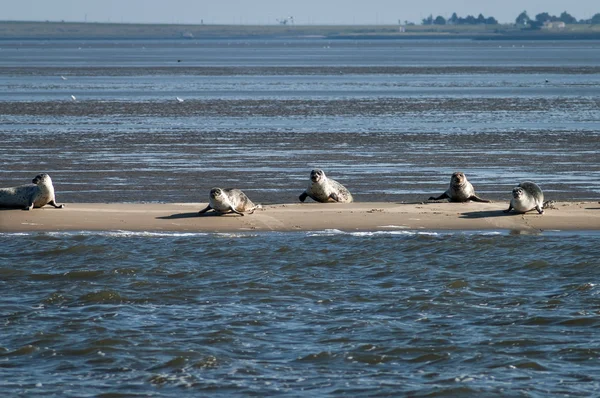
x,y
526,196
323,189
460,190
38,194
229,200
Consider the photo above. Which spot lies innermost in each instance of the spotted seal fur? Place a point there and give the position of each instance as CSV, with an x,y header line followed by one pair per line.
x,y
460,190
526,197
323,189
37,194
229,201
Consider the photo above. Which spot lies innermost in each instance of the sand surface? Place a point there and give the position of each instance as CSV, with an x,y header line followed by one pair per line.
x,y
366,216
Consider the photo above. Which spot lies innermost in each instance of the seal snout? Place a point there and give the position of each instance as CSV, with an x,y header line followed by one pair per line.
x,y
316,175
215,192
517,193
40,178
458,178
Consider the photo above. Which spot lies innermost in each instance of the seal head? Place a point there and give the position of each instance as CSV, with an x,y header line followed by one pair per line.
x,y
323,189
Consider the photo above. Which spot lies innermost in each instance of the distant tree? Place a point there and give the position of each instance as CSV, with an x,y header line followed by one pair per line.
x,y
470,20
595,19
428,20
439,20
522,19
567,18
543,17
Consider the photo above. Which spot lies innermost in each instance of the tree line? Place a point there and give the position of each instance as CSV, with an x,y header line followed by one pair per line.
x,y
522,19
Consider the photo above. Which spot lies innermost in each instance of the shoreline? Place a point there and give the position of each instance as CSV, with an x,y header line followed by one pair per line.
x,y
73,30
353,217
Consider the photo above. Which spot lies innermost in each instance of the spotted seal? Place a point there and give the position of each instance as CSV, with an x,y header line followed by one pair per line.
x,y
323,189
229,201
38,194
460,190
526,196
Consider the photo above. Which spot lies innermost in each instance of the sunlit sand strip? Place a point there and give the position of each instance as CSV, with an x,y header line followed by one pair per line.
x,y
352,217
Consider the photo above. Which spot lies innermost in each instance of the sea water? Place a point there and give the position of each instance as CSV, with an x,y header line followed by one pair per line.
x,y
313,313
419,313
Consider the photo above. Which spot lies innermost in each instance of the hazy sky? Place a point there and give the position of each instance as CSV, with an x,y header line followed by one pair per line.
x,y
268,11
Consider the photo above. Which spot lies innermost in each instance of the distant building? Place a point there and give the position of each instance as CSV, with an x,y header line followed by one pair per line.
x,y
556,25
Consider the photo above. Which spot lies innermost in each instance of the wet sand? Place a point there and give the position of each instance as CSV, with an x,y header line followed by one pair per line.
x,y
367,216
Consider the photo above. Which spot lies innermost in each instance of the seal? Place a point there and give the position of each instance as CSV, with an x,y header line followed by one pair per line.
x,y
526,196
38,194
224,201
323,189
460,190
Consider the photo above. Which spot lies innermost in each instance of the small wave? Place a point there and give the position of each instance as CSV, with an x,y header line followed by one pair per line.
x,y
25,350
531,365
575,322
334,232
323,356
104,296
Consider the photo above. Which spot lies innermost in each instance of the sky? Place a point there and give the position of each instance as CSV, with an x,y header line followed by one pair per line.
x,y
267,12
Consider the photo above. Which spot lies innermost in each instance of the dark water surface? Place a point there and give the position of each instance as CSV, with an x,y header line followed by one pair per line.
x,y
326,313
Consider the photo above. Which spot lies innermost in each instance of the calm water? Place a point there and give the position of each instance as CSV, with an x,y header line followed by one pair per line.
x,y
421,314
302,314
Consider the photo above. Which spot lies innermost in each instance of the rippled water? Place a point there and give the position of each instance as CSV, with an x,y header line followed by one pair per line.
x,y
422,314
390,119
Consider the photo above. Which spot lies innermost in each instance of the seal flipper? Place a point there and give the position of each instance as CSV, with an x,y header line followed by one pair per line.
x,y
442,196
205,210
53,203
30,202
476,198
303,196
235,211
508,210
539,209
334,196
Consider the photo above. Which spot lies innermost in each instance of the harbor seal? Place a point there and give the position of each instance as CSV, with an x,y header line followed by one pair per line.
x,y
229,201
323,189
38,194
526,196
460,190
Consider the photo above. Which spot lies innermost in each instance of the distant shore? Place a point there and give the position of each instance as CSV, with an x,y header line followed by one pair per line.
x,y
363,216
25,30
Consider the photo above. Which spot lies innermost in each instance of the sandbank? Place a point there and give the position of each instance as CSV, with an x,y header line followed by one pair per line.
x,y
368,216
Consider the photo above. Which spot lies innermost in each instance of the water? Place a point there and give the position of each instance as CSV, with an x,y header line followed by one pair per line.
x,y
390,119
304,314
85,314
